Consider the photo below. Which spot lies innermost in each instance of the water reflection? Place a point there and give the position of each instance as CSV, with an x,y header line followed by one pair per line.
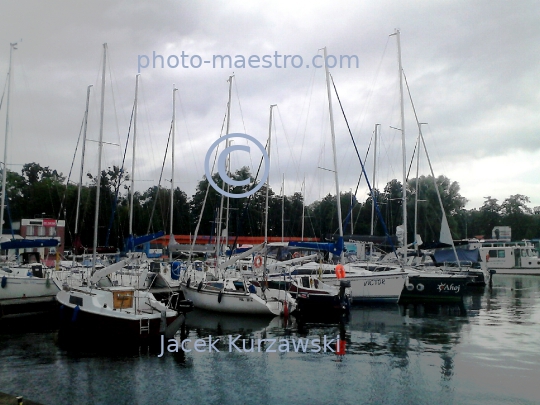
x,y
393,354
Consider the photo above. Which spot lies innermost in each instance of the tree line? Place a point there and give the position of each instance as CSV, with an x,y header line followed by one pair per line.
x,y
42,192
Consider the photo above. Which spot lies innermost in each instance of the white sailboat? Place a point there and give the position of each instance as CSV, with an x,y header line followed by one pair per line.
x,y
365,286
27,283
98,307
233,293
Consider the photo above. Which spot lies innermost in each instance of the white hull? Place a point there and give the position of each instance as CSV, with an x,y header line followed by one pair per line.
x,y
27,287
518,271
366,286
375,288
231,302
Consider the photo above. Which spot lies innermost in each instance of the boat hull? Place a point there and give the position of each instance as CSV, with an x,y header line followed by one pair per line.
x,y
105,322
26,287
374,288
517,271
440,288
230,302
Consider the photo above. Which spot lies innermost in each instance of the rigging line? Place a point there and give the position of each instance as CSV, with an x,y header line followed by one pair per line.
x,y
147,122
370,94
246,206
4,92
310,91
72,163
119,180
241,114
159,182
193,154
374,199
114,100
365,158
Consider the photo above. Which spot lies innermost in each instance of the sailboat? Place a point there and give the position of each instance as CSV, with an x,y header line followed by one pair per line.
x,y
365,286
114,310
23,286
421,284
233,293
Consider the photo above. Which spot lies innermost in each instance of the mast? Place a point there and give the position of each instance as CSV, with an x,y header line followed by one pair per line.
x,y
135,109
4,172
373,181
303,205
100,148
268,178
351,219
267,189
338,199
416,187
83,152
218,236
283,208
404,198
171,237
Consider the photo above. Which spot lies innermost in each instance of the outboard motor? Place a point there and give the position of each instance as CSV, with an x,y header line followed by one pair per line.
x,y
343,298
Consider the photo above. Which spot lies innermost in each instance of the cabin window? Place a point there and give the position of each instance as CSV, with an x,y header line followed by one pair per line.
x,y
501,254
41,231
52,231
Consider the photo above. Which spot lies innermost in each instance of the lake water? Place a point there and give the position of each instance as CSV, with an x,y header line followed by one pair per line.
x,y
484,351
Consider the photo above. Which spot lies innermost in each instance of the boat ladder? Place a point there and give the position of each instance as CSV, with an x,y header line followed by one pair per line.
x,y
144,326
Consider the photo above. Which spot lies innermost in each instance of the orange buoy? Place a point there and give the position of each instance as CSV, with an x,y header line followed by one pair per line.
x,y
285,309
340,271
257,262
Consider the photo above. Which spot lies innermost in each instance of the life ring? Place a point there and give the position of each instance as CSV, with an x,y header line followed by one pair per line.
x,y
410,287
340,271
296,255
257,262
420,287
487,257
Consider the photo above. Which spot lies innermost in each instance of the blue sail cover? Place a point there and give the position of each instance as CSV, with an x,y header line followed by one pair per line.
x,y
447,255
130,242
28,243
335,248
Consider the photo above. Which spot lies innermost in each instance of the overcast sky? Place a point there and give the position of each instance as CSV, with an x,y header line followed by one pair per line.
x,y
472,68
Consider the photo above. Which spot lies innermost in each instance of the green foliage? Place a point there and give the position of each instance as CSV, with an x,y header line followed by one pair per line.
x,y
40,191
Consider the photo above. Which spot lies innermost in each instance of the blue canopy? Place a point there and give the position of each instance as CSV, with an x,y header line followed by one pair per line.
x,y
131,241
28,243
335,248
447,255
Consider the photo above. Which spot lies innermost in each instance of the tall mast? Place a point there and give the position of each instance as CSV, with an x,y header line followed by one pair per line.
x,y
267,189
303,205
171,237
100,148
268,178
416,186
338,199
83,152
283,208
135,109
227,126
404,198
373,181
4,172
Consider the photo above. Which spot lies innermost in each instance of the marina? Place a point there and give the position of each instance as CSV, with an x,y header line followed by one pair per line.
x,y
483,350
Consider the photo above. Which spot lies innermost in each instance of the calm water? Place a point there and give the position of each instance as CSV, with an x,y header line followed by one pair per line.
x,y
486,351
